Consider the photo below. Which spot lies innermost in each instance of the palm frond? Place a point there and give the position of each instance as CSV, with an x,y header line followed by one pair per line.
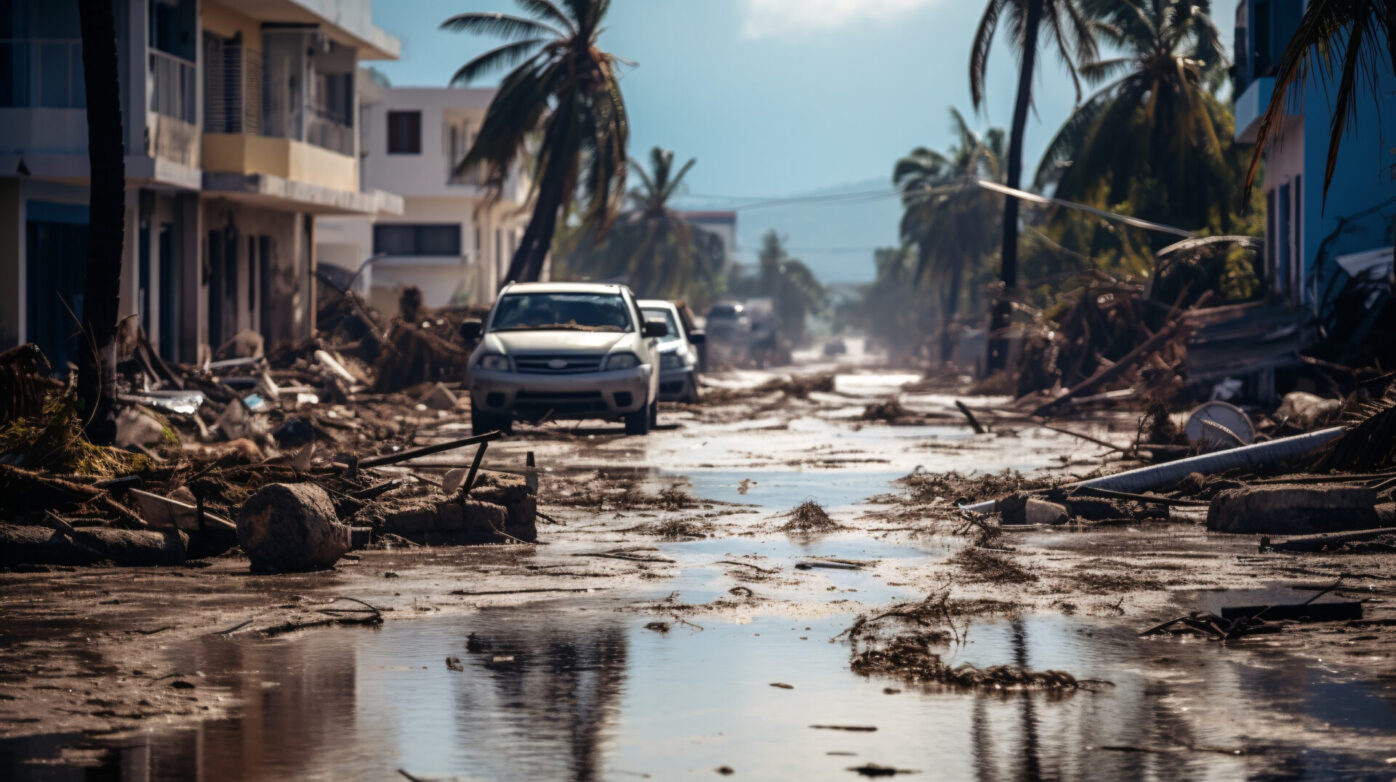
x,y
506,56
502,25
979,49
547,10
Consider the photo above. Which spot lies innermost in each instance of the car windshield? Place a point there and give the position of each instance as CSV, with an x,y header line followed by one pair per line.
x,y
569,311
667,315
723,311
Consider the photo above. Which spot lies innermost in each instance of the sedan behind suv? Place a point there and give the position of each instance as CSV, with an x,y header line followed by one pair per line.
x,y
678,353
564,350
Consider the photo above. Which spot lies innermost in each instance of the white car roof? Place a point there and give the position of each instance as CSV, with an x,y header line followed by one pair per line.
x,y
563,287
657,304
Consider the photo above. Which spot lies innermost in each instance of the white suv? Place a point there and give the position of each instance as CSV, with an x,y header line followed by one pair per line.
x,y
564,350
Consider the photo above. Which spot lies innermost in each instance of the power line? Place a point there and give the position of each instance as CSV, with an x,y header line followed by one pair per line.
x,y
828,198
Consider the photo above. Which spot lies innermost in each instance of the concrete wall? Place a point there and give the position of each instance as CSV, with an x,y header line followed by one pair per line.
x,y
427,173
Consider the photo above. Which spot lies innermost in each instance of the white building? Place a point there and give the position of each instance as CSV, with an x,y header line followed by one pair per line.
x,y
723,224
446,242
239,119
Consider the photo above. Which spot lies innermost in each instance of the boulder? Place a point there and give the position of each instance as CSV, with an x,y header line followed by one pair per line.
x,y
291,527
1294,509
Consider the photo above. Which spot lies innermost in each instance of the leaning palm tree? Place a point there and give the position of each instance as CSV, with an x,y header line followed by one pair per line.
x,y
655,248
1070,32
106,220
565,86
1155,123
947,216
1346,37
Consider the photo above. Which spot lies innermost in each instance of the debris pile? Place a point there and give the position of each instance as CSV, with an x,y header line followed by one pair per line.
x,y
808,518
304,445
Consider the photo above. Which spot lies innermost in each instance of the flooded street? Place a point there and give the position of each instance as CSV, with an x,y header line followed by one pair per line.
x,y
660,642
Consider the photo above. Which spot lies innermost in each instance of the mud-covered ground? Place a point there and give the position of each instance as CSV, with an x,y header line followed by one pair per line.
x,y
677,578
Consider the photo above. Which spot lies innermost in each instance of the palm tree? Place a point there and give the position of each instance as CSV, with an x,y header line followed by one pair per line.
x,y
947,216
1154,134
1070,31
1353,31
106,220
791,286
657,249
565,85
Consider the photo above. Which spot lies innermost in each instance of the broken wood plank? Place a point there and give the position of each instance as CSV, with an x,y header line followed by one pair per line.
x,y
394,458
1324,540
1298,612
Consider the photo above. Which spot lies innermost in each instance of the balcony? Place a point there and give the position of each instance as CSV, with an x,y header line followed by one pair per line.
x,y
44,73
297,161
174,87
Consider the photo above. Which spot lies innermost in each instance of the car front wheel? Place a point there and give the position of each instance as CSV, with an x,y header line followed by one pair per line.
x,y
640,421
482,422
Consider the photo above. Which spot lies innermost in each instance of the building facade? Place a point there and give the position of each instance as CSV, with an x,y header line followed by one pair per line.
x,y
239,124
448,241
1313,248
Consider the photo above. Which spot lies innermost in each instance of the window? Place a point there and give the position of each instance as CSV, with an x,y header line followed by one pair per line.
x,y
442,239
404,133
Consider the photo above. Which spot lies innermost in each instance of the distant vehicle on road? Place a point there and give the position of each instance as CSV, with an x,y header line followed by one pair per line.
x,y
728,320
678,353
564,350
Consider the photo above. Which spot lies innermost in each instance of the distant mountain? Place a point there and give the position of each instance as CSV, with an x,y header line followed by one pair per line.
x,y
834,229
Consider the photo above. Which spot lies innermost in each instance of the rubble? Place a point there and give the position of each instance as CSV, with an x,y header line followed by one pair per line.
x,y
1294,509
291,527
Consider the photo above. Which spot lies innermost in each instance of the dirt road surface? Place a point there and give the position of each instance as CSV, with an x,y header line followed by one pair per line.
x,y
687,612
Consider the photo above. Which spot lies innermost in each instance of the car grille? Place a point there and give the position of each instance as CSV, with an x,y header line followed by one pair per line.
x,y
535,404
565,364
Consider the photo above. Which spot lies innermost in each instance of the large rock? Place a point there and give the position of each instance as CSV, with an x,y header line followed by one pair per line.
x,y
1294,509
291,527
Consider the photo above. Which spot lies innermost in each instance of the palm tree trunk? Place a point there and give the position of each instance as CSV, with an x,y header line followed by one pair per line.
x,y
1008,269
107,220
948,313
527,264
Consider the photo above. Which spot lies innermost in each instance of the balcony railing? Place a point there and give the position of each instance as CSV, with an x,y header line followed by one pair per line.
x,y
329,131
44,73
174,87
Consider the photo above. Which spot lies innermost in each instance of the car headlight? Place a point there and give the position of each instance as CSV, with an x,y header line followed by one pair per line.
x,y
671,360
621,361
494,362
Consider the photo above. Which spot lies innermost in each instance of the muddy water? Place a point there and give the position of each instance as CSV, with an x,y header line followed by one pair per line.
x,y
587,692
588,688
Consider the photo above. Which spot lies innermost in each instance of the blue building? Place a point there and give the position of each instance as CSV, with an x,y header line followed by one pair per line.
x,y
1317,251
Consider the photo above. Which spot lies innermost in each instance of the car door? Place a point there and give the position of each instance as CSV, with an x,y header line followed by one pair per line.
x,y
648,345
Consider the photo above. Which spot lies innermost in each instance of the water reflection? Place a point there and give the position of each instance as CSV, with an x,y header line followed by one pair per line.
x,y
580,691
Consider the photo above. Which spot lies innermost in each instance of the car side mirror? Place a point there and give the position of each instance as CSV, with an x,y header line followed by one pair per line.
x,y
697,338
655,329
470,330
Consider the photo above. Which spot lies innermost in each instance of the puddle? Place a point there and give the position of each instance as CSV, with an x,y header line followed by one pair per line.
x,y
781,490
586,692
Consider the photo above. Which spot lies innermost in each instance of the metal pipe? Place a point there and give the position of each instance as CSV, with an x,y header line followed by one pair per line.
x,y
1168,474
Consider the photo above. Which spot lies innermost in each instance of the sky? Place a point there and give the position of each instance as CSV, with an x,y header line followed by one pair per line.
x,y
782,97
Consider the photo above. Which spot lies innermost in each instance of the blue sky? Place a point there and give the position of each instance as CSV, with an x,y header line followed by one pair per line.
x,y
780,97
